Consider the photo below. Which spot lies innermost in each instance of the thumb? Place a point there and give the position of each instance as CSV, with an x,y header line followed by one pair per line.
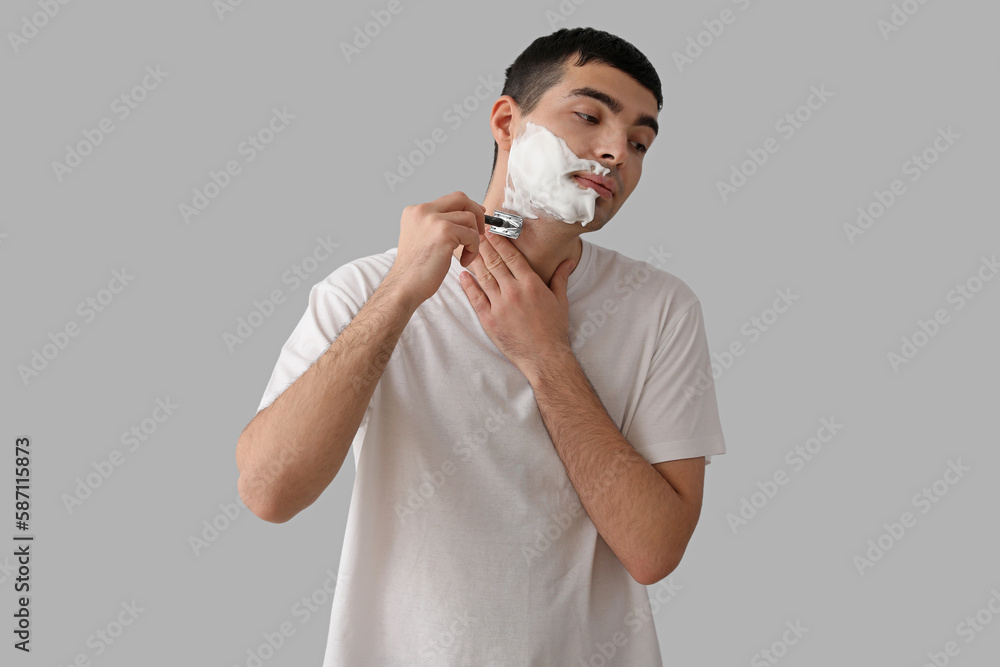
x,y
560,279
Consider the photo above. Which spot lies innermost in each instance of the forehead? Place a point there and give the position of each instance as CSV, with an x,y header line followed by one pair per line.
x,y
607,79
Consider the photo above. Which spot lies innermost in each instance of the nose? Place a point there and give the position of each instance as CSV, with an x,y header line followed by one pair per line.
x,y
612,146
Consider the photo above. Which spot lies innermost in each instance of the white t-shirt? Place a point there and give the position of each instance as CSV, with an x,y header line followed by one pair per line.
x,y
466,543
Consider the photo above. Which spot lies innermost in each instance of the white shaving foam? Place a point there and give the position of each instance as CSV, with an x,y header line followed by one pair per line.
x,y
539,180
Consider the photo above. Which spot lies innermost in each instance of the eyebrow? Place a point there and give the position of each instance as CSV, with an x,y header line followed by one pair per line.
x,y
615,105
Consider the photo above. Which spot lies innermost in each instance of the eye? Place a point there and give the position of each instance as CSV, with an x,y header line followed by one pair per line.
x,y
642,148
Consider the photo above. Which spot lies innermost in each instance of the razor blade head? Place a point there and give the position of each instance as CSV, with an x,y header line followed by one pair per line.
x,y
505,224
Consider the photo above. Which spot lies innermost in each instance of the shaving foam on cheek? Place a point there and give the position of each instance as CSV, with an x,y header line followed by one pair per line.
x,y
539,180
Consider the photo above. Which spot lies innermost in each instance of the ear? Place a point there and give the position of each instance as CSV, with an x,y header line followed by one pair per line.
x,y
502,121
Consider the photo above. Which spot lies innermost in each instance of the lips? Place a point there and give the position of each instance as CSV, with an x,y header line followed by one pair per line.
x,y
600,184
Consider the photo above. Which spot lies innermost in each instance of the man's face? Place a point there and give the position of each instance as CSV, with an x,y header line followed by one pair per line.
x,y
609,131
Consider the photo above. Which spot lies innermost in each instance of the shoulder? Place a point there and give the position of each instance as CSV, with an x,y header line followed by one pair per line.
x,y
358,279
643,278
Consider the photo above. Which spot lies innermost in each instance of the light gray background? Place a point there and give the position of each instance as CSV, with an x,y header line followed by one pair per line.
x,y
162,336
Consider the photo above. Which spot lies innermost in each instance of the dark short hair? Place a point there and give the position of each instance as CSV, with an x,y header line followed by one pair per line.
x,y
543,63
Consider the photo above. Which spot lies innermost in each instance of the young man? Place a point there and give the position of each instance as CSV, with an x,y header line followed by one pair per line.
x,y
530,445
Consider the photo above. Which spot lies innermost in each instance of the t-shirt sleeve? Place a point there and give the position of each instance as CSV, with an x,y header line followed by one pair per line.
x,y
330,309
677,413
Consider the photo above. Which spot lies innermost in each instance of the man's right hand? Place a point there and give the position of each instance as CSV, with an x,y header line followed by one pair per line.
x,y
428,236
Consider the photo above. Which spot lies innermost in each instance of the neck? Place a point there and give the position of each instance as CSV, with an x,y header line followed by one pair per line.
x,y
545,242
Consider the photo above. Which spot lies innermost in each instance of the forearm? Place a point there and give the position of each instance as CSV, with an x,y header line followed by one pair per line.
x,y
637,512
294,448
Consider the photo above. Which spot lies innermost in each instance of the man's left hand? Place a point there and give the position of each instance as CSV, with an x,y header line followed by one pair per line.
x,y
525,318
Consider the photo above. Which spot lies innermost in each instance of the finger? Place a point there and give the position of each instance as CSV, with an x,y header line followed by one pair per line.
x,y
493,261
477,298
560,281
462,233
459,201
512,257
484,277
477,267
514,263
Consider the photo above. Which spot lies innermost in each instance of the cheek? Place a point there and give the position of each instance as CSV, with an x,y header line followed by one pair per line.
x,y
628,187
633,182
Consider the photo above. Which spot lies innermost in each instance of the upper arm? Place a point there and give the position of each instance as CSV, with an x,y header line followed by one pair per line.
x,y
676,414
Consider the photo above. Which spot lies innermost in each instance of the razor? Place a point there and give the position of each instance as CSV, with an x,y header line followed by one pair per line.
x,y
505,224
